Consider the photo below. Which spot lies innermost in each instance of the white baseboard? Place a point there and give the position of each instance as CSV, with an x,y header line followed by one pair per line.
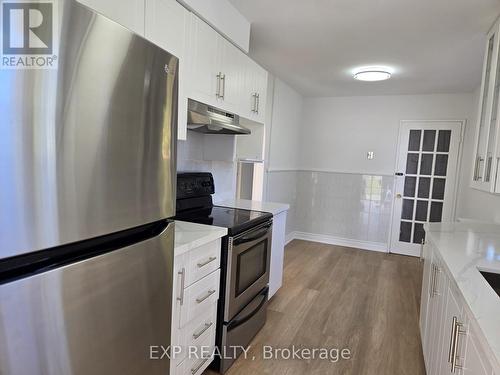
x,y
339,241
289,238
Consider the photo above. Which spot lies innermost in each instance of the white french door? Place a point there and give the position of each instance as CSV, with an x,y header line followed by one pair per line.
x,y
425,181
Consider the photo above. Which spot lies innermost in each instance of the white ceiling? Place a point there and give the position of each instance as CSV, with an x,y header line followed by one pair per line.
x,y
435,46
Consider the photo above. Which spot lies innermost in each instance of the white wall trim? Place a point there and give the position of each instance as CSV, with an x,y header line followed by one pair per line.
x,y
339,241
319,170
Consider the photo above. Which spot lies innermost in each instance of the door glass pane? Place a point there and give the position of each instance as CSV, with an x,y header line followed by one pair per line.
x,y
429,140
421,212
438,188
444,141
410,185
426,164
407,212
419,234
414,142
436,212
412,164
424,187
441,165
405,232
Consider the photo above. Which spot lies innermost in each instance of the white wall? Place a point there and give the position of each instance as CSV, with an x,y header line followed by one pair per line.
x,y
474,204
281,154
285,128
338,132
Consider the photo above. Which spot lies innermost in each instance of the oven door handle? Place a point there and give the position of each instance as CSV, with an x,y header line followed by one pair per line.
x,y
254,236
237,322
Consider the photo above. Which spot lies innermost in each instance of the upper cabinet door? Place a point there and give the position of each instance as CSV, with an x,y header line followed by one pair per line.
x,y
205,82
128,13
231,66
168,26
486,160
253,97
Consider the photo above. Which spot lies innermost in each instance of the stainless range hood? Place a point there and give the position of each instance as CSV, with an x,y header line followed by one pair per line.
x,y
206,119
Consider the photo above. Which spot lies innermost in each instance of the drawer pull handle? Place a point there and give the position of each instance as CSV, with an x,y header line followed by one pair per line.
x,y
203,330
197,368
210,292
203,264
182,273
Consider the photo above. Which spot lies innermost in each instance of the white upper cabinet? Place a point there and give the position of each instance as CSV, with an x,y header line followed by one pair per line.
x,y
223,76
129,13
212,70
486,168
205,81
168,24
253,99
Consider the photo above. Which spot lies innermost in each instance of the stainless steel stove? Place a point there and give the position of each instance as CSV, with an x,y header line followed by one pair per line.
x,y
245,260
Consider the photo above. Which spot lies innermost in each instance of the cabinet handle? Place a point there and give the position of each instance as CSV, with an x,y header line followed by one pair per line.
x,y
458,331
210,260
183,280
222,94
203,330
488,169
496,175
218,88
194,370
431,286
477,168
452,339
258,103
210,292
254,103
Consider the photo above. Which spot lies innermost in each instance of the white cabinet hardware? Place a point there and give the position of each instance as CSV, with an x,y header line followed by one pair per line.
x,y
205,328
209,293
182,273
203,264
194,370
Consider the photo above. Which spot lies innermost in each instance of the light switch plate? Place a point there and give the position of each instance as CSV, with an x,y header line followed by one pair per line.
x,y
370,155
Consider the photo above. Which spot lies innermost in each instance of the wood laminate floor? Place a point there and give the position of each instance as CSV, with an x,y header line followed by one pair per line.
x,y
336,297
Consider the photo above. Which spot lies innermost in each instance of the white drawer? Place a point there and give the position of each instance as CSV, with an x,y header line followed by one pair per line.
x,y
202,261
196,364
195,332
197,298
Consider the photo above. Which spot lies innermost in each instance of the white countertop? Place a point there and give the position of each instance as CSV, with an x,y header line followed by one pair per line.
x,y
465,247
190,235
245,204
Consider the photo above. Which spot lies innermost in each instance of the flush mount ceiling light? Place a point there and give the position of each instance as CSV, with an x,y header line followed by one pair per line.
x,y
372,73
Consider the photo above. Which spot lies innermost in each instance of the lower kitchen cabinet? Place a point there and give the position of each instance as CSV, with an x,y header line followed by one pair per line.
x,y
194,301
451,340
277,253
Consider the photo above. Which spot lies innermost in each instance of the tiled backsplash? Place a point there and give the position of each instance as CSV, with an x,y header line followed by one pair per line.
x,y
191,158
348,206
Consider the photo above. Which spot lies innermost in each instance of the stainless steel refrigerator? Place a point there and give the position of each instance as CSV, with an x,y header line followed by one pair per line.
x,y
87,182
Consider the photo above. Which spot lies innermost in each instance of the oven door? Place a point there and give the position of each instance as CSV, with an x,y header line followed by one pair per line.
x,y
248,268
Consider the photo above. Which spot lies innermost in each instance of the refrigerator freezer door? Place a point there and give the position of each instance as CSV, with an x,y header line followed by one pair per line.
x,y
87,148
98,316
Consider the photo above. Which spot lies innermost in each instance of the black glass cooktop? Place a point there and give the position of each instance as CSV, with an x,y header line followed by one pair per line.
x,y
235,220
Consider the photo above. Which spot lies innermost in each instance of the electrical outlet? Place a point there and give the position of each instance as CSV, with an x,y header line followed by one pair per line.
x,y
370,155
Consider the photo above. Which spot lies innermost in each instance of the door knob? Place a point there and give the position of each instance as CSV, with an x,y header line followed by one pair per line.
x,y
399,196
